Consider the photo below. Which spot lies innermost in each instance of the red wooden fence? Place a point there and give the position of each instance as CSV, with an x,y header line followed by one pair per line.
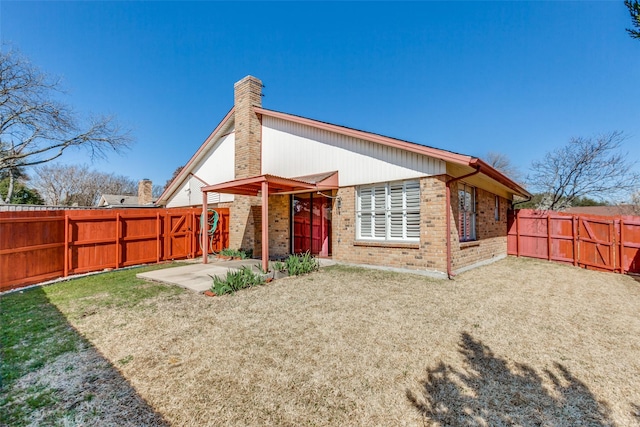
x,y
589,241
42,245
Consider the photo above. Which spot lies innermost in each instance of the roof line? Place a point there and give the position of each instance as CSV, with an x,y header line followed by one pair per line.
x,y
373,137
495,174
444,155
185,169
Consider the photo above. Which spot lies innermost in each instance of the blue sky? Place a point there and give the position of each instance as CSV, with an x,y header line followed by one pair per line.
x,y
518,78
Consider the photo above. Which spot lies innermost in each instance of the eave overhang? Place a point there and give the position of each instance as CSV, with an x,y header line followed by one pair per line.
x,y
252,186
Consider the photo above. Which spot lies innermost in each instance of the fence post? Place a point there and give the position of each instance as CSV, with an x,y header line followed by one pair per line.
x,y
518,233
117,240
574,234
193,237
623,270
548,236
65,271
157,237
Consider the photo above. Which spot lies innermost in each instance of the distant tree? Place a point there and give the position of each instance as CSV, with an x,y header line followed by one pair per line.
x,y
67,185
22,195
36,128
634,11
634,202
157,191
502,163
587,201
11,179
174,176
585,167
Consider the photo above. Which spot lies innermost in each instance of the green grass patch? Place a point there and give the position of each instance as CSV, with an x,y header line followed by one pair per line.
x,y
33,332
87,295
34,329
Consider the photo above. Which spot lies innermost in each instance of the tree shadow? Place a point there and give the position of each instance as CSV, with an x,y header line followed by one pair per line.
x,y
488,392
635,411
52,375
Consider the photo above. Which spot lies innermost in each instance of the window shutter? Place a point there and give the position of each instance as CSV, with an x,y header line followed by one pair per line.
x,y
390,211
412,195
396,208
365,224
365,214
379,195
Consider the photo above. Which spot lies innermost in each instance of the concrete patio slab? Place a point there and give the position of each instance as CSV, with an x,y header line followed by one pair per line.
x,y
196,277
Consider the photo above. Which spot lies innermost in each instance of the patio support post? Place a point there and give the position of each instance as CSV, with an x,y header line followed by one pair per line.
x,y
265,226
203,230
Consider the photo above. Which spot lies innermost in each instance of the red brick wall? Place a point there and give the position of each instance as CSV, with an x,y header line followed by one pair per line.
x,y
431,252
428,254
491,235
279,225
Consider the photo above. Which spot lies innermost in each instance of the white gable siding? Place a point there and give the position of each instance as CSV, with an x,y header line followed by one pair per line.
x,y
291,149
217,167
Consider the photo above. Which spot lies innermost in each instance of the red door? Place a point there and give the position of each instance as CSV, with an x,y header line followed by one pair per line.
x,y
312,224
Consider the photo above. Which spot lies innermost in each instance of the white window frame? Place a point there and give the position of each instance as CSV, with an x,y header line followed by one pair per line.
x,y
383,213
467,212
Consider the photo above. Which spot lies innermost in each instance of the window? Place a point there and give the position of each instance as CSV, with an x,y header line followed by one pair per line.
x,y
496,209
389,212
467,212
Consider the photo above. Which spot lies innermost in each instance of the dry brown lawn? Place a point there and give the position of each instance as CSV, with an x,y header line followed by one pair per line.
x,y
518,342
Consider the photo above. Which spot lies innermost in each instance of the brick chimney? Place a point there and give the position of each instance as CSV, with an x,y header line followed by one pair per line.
x,y
244,229
145,192
248,129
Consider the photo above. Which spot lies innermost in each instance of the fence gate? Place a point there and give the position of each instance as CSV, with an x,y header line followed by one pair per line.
x,y
596,243
590,241
180,230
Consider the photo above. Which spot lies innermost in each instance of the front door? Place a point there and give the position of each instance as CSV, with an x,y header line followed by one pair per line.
x,y
311,218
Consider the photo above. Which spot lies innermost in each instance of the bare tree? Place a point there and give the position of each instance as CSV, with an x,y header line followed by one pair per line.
x,y
36,128
176,172
503,164
634,11
78,185
585,167
635,203
157,190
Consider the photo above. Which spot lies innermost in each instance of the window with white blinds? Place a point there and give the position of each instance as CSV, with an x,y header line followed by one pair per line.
x,y
389,212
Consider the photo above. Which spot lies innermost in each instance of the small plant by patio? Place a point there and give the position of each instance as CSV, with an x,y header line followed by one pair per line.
x,y
236,280
301,264
278,266
233,253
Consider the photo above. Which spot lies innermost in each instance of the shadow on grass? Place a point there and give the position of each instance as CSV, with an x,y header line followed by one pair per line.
x,y
635,411
488,392
51,375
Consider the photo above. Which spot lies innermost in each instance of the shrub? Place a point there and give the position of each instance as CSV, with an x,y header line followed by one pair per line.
x,y
235,253
278,266
301,264
236,280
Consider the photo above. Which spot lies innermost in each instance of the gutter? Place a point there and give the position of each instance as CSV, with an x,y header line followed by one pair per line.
x,y
450,274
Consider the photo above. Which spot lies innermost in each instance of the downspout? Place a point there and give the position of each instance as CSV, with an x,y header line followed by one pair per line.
x,y
448,217
522,201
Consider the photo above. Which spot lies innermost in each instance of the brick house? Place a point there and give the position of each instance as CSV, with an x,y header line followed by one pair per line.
x,y
337,192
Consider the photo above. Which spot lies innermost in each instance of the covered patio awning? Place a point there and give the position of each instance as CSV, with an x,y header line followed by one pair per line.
x,y
267,185
252,186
